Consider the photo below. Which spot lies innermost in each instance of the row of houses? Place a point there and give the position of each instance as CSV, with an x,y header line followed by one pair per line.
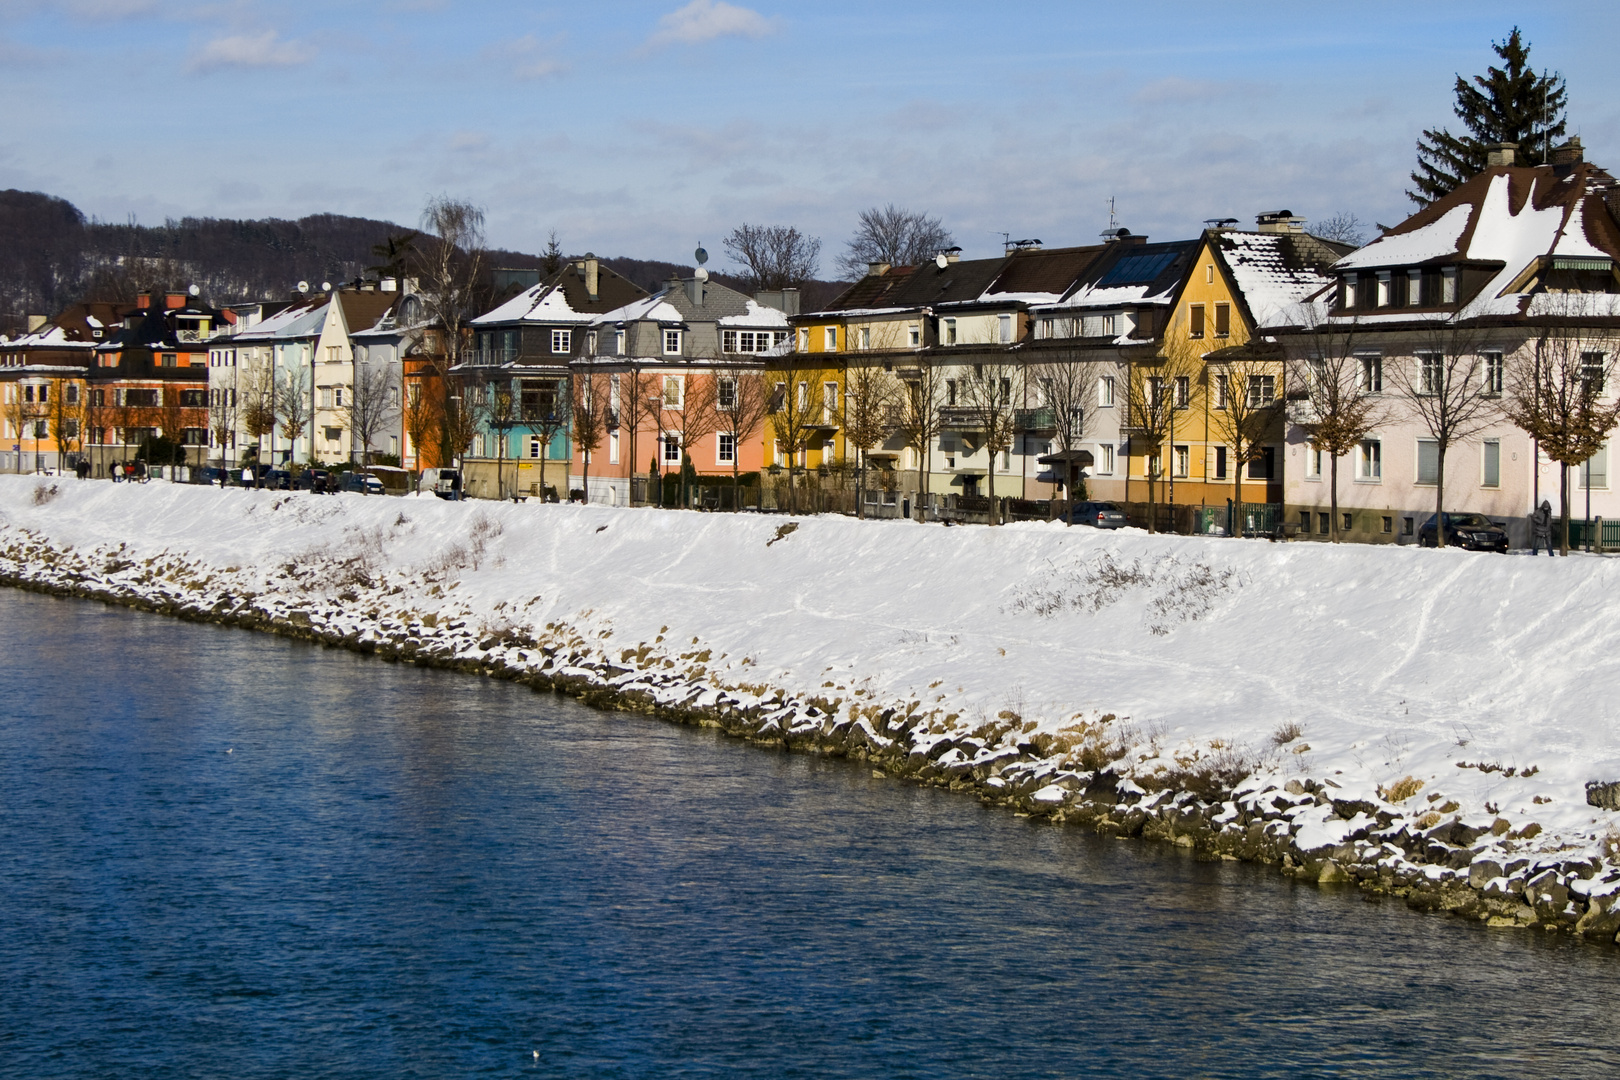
x,y
1182,376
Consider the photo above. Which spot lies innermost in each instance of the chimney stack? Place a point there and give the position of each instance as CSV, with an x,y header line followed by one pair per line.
x,y
877,269
36,321
1279,221
590,270
1501,154
1571,153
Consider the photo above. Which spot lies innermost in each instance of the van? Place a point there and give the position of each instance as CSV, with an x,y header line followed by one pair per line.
x,y
445,483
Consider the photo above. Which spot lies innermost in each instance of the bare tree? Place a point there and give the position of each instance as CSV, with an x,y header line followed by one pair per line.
x,y
19,416
637,393
1340,395
794,411
543,407
223,412
871,402
890,234
463,408
921,397
1556,394
450,263
992,395
692,417
500,413
257,402
1157,392
66,406
590,399
774,256
372,403
741,403
422,418
292,404
1243,413
1067,385
1343,228
1446,392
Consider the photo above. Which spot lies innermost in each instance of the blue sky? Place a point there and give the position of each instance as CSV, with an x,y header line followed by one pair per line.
x,y
641,128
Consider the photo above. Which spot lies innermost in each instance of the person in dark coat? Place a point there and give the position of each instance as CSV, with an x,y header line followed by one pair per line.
x,y
1541,528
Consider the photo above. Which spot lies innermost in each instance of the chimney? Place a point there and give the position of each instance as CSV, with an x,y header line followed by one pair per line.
x,y
952,254
1571,153
590,270
1122,236
388,284
1501,154
36,321
877,269
784,300
143,300
174,300
1279,221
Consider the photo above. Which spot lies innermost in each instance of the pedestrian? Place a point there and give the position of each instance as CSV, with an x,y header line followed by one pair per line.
x,y
1541,529
118,472
247,476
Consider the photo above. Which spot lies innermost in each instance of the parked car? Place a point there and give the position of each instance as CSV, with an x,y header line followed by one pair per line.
x,y
1100,515
1475,532
312,480
445,483
364,483
276,479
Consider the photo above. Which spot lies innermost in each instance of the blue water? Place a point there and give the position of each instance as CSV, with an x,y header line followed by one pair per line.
x,y
227,855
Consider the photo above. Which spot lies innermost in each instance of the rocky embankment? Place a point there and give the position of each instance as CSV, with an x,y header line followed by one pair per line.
x,y
1399,841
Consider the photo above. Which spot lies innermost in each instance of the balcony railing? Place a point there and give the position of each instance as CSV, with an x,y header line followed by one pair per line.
x,y
1034,420
960,418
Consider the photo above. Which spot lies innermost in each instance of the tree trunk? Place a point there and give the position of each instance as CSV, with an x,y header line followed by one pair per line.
x,y
544,450
860,483
1153,515
1333,496
736,491
1440,497
1563,507
990,473
585,474
1237,492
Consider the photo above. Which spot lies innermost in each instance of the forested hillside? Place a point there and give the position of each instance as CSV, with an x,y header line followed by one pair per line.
x,y
51,255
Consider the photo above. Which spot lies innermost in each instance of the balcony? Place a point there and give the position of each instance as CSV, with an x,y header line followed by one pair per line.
x,y
960,418
1302,413
1034,420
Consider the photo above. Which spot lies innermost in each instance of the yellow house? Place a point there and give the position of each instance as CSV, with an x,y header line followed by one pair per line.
x,y
1205,401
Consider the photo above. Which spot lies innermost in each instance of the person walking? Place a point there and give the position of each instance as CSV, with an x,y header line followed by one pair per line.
x,y
247,476
118,472
1541,529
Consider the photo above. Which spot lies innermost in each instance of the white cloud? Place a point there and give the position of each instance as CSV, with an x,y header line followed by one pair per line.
x,y
253,50
705,20
530,57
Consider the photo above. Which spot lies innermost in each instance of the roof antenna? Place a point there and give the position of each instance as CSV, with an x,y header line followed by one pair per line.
x,y
1113,222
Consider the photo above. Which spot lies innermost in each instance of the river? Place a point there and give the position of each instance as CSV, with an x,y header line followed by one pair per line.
x,y
227,854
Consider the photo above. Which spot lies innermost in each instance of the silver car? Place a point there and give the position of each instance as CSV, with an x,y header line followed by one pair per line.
x,y
1099,515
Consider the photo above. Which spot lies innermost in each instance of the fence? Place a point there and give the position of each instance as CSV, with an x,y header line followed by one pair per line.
x,y
1606,534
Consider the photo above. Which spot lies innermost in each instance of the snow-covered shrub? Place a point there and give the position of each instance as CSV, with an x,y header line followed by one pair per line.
x,y
44,494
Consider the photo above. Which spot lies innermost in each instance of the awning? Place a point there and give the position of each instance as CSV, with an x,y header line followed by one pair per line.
x,y
1081,458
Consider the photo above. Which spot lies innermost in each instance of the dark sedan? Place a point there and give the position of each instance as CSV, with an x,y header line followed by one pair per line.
x,y
1474,532
1101,515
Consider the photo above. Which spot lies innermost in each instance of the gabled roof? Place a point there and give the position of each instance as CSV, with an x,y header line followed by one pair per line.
x,y
1506,218
961,282
157,329
73,328
1273,273
1129,273
674,304
562,298
869,293
1042,276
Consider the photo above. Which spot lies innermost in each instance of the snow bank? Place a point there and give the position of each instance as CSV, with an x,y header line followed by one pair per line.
x,y
1390,685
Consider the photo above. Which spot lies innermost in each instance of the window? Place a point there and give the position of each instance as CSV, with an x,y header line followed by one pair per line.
x,y
1595,469
674,391
1264,466
1383,289
1448,285
337,396
590,342
725,396
326,398
1220,391
728,449
1313,462
1262,390
40,429
1105,459
1155,391
1431,373
197,399
1347,522
1005,329
1372,374
778,397
672,450
1347,292
1491,472
1209,274
803,398
1105,391
1414,292
1181,461
70,429
1370,460
1428,461
672,343
536,446
562,342
334,434
1591,372
914,335
866,337
1220,463
829,399
804,339
170,360
618,342
749,341
1323,525
1195,321
71,393
1183,391
950,332
1223,320
831,339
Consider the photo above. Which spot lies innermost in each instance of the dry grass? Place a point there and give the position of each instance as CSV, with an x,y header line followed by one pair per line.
x,y
1401,790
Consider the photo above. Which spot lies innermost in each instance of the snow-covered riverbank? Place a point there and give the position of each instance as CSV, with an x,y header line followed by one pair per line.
x,y
1415,720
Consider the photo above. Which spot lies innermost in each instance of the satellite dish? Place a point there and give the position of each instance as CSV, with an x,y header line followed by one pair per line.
x,y
700,274
326,286
196,291
700,255
941,261
303,286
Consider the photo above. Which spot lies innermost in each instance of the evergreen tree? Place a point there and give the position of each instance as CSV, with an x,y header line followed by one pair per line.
x,y
1505,105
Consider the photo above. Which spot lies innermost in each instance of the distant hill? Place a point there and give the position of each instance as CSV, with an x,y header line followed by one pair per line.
x,y
51,255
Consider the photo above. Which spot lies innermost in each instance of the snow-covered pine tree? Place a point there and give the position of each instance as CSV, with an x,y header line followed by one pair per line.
x,y
1505,105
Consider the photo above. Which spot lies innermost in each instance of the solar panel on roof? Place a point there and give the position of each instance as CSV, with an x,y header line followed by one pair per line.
x,y
1138,269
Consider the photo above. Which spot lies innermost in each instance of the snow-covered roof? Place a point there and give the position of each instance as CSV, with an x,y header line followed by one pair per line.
x,y
758,315
1272,280
298,321
49,336
543,303
648,309
1433,241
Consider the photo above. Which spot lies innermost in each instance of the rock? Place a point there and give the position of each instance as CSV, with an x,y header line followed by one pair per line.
x,y
1483,870
1601,921
1294,787
1331,872
1605,795
298,618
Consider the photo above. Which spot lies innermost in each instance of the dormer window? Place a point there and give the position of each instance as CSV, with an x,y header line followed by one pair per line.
x,y
1414,288
1347,296
1448,285
1382,299
672,342
950,331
